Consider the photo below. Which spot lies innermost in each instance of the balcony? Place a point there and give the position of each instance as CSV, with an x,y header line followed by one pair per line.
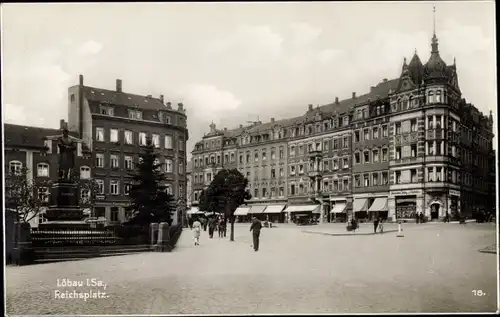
x,y
316,173
406,138
315,153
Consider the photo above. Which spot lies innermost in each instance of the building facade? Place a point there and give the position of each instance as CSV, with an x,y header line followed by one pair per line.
x,y
410,145
36,149
116,125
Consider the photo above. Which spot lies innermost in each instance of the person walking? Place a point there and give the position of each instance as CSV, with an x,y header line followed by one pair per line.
x,y
381,226
255,229
354,224
196,232
211,227
375,224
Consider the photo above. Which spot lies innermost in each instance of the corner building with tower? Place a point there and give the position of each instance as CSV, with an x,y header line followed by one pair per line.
x,y
411,144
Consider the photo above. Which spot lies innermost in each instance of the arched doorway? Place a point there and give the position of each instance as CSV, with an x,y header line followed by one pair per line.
x,y
435,207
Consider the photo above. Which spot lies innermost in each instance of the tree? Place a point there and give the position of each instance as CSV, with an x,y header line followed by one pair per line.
x,y
150,201
226,192
26,197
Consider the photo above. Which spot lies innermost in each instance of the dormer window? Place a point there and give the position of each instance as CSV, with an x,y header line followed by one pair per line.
x,y
105,110
135,114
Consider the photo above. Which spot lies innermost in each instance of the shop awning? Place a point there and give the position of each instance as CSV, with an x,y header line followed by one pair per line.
x,y
303,208
338,208
380,204
257,209
274,209
241,211
360,204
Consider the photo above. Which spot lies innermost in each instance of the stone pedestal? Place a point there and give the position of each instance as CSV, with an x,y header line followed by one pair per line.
x,y
22,252
64,210
153,229
163,242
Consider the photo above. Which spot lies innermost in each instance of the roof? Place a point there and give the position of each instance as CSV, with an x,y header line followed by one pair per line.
x,y
27,136
122,98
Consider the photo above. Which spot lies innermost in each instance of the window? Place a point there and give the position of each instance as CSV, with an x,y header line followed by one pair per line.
x,y
357,158
438,96
346,162
128,162
346,120
241,159
168,166
135,114
248,158
113,135
84,172
385,131
264,192
264,155
438,122
273,173
218,159
375,179
181,167
397,175
282,154
356,136
398,153
114,214
413,150
385,178
413,125
366,157
398,128
413,175
366,135
346,142
256,157
209,177
430,122
335,186
100,186
335,164
114,161
430,148
99,160
127,188
281,192
292,170
256,193
375,133
438,148
169,143
430,97
273,154
282,172
375,156
309,148
406,151
384,155
366,180
357,181
325,146
142,138
128,137
325,165
156,140
42,170
99,134
438,174
301,169
168,189
180,144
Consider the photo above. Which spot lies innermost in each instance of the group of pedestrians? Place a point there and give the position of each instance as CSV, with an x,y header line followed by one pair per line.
x,y
219,224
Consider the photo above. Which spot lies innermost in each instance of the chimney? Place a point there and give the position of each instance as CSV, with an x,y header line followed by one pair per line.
x,y
336,100
169,105
372,88
225,129
272,120
80,80
119,85
149,96
161,98
310,107
61,124
385,80
180,107
241,126
353,95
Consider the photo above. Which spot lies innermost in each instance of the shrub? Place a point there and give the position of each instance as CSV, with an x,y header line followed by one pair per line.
x,y
132,234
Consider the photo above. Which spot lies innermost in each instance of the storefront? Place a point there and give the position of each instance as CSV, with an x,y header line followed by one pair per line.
x,y
338,212
241,214
360,208
406,207
256,211
274,213
378,209
310,212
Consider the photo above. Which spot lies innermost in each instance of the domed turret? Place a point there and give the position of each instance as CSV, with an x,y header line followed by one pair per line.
x,y
435,68
416,69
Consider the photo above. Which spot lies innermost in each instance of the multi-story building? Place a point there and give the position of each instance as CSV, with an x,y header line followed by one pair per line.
x,y
36,149
116,124
189,183
411,144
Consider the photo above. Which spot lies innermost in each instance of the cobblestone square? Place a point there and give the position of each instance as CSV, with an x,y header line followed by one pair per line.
x,y
433,268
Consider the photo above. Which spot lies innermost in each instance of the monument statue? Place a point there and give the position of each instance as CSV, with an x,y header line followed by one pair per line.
x,y
67,150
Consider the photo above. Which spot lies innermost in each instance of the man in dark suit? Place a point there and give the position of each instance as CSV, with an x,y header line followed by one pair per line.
x,y
255,228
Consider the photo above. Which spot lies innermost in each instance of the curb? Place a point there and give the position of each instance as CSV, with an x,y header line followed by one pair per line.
x,y
350,234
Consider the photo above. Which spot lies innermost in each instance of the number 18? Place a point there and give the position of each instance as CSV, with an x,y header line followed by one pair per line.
x,y
478,292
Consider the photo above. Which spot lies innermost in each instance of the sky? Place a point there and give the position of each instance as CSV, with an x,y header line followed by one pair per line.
x,y
234,62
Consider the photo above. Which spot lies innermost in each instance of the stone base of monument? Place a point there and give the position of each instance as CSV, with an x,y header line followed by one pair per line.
x,y
64,212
